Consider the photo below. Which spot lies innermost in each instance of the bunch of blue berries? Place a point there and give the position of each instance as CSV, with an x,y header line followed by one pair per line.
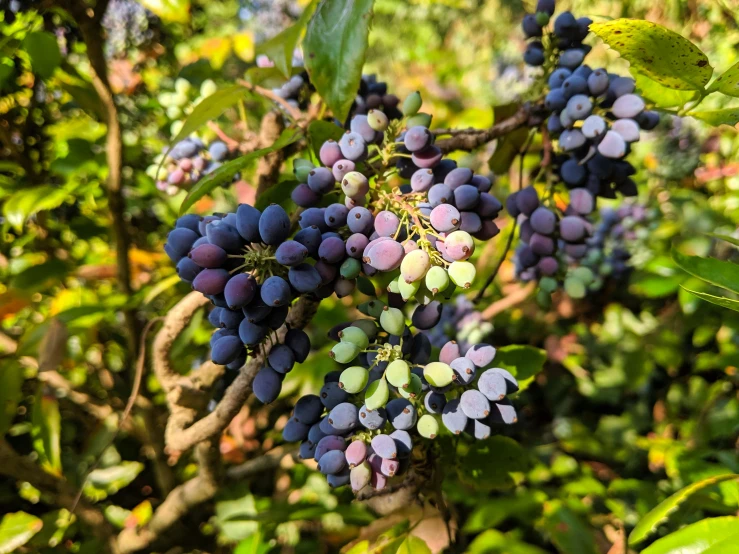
x,y
363,425
404,208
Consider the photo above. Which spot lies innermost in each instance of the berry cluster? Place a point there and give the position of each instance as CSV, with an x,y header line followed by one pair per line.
x,y
366,419
566,41
128,26
543,233
243,262
183,99
595,115
460,322
425,228
186,163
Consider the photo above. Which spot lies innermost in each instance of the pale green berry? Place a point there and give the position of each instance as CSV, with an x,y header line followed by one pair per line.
x,y
377,394
398,373
353,379
428,426
438,374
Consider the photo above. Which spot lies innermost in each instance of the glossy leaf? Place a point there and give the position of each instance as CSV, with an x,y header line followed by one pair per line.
x,y
172,11
43,49
569,533
660,96
657,52
278,194
718,300
281,48
649,523
727,82
725,116
321,131
46,432
717,272
488,464
700,537
335,47
103,482
29,201
493,541
413,545
11,381
16,529
727,238
225,173
523,361
208,109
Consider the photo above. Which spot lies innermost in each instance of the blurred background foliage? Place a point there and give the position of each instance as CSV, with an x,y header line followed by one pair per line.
x,y
638,396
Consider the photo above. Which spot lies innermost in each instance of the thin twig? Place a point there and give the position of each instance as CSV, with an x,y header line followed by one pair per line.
x,y
494,273
508,301
181,433
265,462
138,375
294,113
469,139
88,22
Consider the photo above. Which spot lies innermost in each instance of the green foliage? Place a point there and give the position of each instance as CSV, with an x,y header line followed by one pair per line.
x,y
648,524
657,52
225,173
627,409
335,49
17,529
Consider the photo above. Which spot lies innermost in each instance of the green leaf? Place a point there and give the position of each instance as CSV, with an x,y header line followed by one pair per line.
x,y
727,82
492,512
569,533
209,109
699,537
46,432
280,48
36,277
508,146
726,546
727,238
321,131
11,381
226,172
657,52
523,361
726,116
29,201
335,47
16,529
493,541
103,482
254,544
718,300
648,524
660,96
488,464
278,194
172,11
43,49
719,273
413,545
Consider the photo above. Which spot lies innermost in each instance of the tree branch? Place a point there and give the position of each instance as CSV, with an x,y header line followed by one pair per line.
x,y
265,462
268,167
179,502
469,139
294,113
181,433
21,468
89,25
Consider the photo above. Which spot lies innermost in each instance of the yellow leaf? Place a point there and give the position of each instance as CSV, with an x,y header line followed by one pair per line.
x,y
243,45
